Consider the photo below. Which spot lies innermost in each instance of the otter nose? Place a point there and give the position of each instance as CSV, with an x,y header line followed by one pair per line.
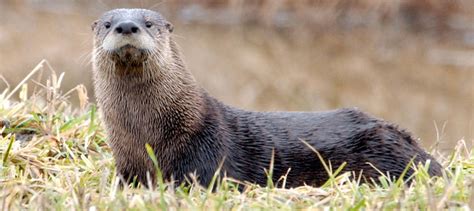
x,y
127,28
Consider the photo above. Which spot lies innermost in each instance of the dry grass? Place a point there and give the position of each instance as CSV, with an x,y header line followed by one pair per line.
x,y
55,156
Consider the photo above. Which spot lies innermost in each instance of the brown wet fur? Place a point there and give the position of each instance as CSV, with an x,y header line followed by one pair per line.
x,y
151,98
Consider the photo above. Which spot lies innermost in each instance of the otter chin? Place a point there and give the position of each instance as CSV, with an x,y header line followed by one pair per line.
x,y
160,103
129,55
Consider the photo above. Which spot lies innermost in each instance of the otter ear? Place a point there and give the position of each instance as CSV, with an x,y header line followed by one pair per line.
x,y
169,26
94,24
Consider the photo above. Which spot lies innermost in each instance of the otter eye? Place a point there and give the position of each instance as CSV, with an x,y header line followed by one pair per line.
x,y
148,24
107,24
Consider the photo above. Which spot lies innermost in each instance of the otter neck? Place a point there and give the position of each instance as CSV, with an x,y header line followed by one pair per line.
x,y
159,97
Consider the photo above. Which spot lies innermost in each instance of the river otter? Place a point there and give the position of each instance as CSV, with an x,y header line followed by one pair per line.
x,y
147,96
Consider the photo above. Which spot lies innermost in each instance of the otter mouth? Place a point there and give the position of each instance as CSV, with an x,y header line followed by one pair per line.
x,y
129,55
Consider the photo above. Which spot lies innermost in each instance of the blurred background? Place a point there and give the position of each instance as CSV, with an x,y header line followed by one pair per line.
x,y
408,61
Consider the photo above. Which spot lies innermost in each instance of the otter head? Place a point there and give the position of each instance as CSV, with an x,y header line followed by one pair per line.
x,y
131,37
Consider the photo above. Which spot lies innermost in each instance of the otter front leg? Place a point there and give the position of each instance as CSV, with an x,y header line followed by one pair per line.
x,y
133,163
131,173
